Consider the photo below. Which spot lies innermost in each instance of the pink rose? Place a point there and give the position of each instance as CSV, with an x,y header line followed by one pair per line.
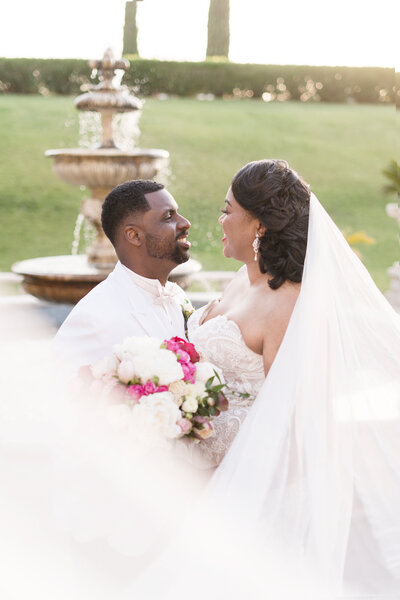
x,y
149,388
186,347
172,346
162,388
183,357
135,391
189,370
185,425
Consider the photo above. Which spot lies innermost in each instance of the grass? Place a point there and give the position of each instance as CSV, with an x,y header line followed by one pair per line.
x,y
339,149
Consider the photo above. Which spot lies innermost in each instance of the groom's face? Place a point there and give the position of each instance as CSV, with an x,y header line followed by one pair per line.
x,y
165,229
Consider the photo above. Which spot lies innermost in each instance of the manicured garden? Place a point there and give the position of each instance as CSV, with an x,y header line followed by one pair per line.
x,y
340,149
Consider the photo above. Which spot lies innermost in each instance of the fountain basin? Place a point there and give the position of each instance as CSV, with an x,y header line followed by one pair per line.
x,y
67,279
106,167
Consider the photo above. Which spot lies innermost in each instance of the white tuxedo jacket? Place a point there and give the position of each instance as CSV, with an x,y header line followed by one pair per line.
x,y
115,309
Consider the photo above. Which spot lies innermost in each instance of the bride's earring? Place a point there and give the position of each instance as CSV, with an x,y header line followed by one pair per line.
x,y
256,245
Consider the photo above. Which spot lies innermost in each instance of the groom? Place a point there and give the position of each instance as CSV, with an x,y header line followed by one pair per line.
x,y
142,221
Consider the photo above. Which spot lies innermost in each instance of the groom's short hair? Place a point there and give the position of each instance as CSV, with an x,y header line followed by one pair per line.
x,y
126,199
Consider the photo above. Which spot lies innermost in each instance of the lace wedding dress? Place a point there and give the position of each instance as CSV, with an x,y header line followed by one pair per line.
x,y
220,341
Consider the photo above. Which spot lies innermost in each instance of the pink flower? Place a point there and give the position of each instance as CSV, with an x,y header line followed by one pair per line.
x,y
189,370
162,388
185,425
135,391
186,347
172,346
203,428
222,403
149,388
183,357
118,392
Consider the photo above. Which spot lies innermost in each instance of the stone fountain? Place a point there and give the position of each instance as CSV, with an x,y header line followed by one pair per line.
x,y
66,279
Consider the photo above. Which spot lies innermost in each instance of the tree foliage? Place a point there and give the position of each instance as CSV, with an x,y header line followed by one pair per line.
x,y
392,174
130,29
218,28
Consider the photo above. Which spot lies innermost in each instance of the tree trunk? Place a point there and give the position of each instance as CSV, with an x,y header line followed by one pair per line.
x,y
218,28
130,29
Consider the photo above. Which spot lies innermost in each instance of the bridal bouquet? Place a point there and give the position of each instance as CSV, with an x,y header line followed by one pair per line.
x,y
161,387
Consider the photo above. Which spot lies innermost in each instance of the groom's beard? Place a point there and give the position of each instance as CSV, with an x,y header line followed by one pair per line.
x,y
160,248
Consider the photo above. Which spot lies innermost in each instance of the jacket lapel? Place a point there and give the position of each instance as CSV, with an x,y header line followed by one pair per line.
x,y
140,309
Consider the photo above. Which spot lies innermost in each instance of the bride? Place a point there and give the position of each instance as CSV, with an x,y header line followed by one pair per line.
x,y
305,503
264,223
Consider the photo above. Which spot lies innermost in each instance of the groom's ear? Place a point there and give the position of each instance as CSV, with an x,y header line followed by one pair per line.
x,y
133,235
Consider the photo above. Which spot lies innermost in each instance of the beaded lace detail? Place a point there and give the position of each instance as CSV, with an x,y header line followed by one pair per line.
x,y
219,341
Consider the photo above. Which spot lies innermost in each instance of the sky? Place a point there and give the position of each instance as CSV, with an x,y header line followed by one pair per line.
x,y
314,32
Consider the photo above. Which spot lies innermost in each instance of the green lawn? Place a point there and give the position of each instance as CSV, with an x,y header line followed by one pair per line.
x,y
339,149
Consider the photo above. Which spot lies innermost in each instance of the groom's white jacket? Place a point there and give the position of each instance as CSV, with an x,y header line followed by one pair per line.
x,y
125,304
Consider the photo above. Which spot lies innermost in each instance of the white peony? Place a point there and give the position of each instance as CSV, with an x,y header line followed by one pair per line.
x,y
158,413
161,363
190,404
205,370
105,366
136,346
126,371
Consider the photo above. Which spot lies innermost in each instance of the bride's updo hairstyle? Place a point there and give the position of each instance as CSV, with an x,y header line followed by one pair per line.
x,y
278,197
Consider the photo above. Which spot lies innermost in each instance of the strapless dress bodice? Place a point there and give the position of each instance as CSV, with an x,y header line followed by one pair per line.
x,y
220,341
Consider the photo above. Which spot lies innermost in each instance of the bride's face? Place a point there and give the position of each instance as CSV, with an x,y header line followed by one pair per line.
x,y
239,229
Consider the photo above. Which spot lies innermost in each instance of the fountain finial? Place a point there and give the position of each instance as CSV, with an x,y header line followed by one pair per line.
x,y
105,97
106,68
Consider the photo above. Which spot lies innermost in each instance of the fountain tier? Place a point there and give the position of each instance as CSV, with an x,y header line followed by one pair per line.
x,y
68,278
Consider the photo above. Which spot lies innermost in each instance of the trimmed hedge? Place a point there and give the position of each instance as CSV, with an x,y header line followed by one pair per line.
x,y
43,76
149,77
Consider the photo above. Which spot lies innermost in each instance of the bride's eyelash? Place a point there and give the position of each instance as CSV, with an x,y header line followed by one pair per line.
x,y
224,211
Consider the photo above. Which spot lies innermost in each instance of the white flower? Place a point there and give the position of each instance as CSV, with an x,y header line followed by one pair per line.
x,y
105,366
192,393
159,414
197,388
126,371
178,390
136,346
161,363
190,404
119,416
205,370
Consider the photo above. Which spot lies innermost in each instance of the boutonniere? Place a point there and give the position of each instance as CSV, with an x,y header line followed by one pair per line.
x,y
187,310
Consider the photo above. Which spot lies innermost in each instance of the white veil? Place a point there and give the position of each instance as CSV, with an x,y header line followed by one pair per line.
x,y
308,496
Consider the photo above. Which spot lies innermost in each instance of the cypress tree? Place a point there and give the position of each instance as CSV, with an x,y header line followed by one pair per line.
x,y
218,28
130,29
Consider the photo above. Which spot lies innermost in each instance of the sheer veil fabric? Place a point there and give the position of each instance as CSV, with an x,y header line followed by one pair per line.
x,y
307,499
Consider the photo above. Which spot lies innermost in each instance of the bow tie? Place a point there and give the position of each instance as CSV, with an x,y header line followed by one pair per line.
x,y
165,296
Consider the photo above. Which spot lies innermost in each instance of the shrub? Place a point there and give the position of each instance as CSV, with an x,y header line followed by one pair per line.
x,y
149,77
43,76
